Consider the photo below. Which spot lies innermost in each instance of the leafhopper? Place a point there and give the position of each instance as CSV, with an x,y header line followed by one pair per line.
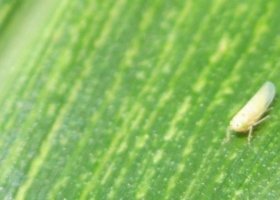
x,y
250,115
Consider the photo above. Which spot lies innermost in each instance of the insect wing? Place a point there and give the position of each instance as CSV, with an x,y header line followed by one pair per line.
x,y
259,103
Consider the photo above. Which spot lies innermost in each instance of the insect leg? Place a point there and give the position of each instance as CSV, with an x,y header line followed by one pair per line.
x,y
227,135
269,109
250,135
261,120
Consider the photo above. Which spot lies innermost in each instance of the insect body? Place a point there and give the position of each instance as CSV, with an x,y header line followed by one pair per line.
x,y
249,116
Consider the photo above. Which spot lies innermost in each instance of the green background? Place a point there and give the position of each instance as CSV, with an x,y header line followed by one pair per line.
x,y
131,99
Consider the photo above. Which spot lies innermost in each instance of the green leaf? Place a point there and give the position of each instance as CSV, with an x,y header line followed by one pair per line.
x,y
131,99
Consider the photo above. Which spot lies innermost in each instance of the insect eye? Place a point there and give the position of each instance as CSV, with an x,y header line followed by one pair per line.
x,y
237,124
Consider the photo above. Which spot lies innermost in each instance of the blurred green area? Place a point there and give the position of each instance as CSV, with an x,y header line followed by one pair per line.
x,y
131,100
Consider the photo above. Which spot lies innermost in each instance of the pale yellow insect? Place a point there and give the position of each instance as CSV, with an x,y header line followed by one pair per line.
x,y
249,116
